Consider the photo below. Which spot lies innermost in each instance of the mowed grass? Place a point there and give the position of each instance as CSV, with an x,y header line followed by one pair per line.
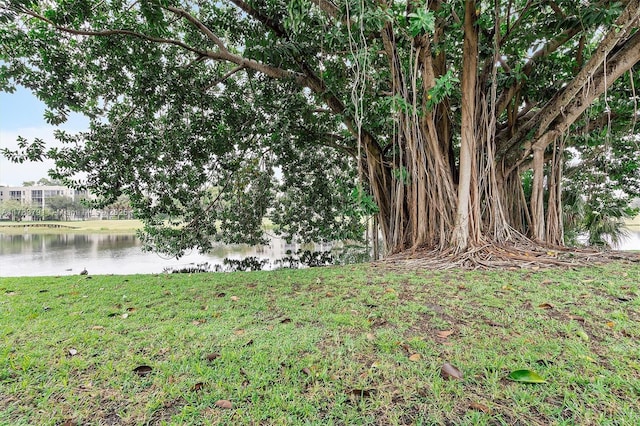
x,y
342,345
633,223
73,226
83,226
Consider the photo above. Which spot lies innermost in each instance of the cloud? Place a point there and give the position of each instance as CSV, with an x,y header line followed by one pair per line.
x,y
12,174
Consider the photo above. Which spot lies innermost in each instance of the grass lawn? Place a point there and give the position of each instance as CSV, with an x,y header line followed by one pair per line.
x,y
77,226
341,345
81,226
633,223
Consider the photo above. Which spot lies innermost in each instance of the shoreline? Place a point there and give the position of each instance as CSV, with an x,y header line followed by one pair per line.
x,y
129,226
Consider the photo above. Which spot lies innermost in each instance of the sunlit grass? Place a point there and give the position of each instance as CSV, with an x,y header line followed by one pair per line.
x,y
633,223
82,226
322,346
73,226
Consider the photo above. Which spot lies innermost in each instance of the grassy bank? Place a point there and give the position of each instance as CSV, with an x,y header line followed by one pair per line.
x,y
633,223
349,345
81,226
75,226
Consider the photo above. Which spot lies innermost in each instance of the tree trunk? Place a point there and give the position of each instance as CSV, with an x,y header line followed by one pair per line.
x,y
537,196
466,223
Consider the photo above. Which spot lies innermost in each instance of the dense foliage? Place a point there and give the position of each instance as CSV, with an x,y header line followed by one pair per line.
x,y
317,113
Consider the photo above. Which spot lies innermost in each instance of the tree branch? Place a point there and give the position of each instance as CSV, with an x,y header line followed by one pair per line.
x,y
223,55
198,24
623,60
557,9
224,77
589,76
106,33
328,7
330,140
521,15
557,104
550,47
272,24
310,79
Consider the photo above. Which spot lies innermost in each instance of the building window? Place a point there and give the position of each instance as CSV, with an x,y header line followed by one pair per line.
x,y
15,195
48,193
36,197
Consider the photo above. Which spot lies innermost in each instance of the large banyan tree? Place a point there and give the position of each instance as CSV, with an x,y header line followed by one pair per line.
x,y
451,120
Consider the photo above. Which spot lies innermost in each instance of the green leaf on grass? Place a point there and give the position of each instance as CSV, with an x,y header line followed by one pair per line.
x,y
526,376
582,335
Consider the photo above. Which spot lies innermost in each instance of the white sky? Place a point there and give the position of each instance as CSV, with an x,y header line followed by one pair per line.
x,y
21,114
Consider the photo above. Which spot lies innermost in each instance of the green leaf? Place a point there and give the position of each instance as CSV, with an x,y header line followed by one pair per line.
x,y
526,376
423,21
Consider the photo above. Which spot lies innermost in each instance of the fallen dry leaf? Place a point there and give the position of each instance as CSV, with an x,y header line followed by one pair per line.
x,y
197,387
371,336
235,298
97,327
73,352
142,370
611,324
223,403
415,357
307,371
443,334
213,356
480,407
449,372
239,332
285,321
545,306
125,316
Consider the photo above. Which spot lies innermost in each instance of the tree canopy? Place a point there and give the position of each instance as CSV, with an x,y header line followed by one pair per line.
x,y
453,122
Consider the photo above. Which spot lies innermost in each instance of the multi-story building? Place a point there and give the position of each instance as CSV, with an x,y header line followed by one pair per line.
x,y
37,196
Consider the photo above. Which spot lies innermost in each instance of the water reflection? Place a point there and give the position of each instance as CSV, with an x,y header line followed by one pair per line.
x,y
631,241
68,254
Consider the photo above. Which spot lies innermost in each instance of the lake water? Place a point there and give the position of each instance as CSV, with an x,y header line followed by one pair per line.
x,y
68,254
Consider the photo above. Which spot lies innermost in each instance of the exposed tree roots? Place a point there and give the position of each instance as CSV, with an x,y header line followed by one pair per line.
x,y
522,255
